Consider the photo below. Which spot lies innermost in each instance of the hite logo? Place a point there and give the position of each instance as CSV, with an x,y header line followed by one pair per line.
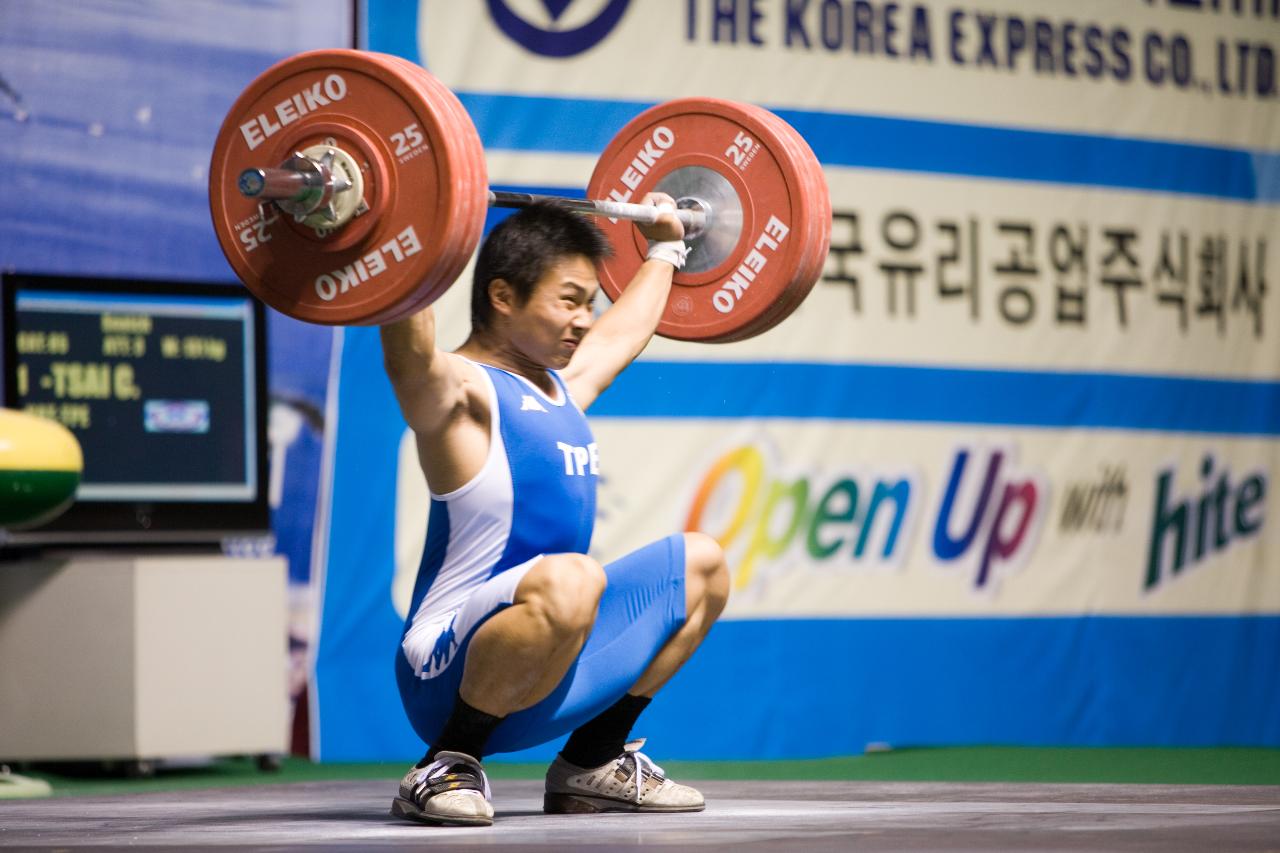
x,y
557,28
1188,529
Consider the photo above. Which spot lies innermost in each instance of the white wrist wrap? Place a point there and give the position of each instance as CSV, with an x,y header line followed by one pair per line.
x,y
673,252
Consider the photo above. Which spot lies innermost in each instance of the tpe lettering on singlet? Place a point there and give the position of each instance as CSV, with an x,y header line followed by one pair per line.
x,y
579,461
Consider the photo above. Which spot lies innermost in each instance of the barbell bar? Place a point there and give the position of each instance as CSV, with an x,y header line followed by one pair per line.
x,y
309,184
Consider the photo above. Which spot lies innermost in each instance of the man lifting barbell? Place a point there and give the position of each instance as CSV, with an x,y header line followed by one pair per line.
x,y
514,629
515,636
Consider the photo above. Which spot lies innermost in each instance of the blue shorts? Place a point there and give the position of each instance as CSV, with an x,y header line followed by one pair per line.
x,y
643,605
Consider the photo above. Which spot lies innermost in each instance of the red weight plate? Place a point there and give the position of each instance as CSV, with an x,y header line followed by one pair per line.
x,y
447,232
808,268
734,146
462,232
821,240
818,242
444,232
785,301
472,185
473,178
811,268
778,308
477,191
372,110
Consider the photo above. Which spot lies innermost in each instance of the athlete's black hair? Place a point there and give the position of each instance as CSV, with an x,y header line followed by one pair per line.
x,y
521,248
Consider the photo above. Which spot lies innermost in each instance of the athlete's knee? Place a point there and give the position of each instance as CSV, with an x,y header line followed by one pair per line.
x,y
703,555
565,589
705,564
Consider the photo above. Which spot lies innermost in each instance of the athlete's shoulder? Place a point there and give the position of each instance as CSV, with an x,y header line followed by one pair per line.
x,y
565,393
473,375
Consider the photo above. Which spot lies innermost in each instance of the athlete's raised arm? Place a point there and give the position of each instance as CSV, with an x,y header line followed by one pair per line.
x,y
436,392
623,331
423,377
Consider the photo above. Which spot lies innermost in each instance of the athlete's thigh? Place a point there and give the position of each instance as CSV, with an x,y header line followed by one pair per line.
x,y
429,669
643,605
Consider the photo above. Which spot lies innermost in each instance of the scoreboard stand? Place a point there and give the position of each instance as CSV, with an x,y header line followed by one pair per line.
x,y
138,658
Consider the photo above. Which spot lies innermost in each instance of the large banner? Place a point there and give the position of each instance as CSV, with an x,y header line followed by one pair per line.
x,y
1006,476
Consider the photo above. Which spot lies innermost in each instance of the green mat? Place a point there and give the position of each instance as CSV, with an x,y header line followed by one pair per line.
x,y
1216,766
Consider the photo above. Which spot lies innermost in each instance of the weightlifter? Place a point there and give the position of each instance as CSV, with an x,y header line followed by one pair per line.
x,y
515,636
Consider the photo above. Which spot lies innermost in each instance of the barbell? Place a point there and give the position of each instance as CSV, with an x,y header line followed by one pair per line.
x,y
350,188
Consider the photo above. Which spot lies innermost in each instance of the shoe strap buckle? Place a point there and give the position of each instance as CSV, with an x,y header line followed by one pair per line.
x,y
643,767
442,764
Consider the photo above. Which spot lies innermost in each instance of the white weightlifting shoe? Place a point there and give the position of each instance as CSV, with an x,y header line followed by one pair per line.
x,y
452,790
629,783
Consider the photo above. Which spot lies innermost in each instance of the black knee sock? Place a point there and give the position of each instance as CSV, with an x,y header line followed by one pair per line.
x,y
466,730
601,739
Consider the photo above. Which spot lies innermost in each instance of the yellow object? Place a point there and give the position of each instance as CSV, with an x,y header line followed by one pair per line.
x,y
40,467
13,786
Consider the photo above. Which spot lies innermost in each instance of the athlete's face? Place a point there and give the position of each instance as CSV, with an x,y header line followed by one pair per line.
x,y
549,327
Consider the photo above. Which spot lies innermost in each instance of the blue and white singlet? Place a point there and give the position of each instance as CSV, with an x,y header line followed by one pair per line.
x,y
535,495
